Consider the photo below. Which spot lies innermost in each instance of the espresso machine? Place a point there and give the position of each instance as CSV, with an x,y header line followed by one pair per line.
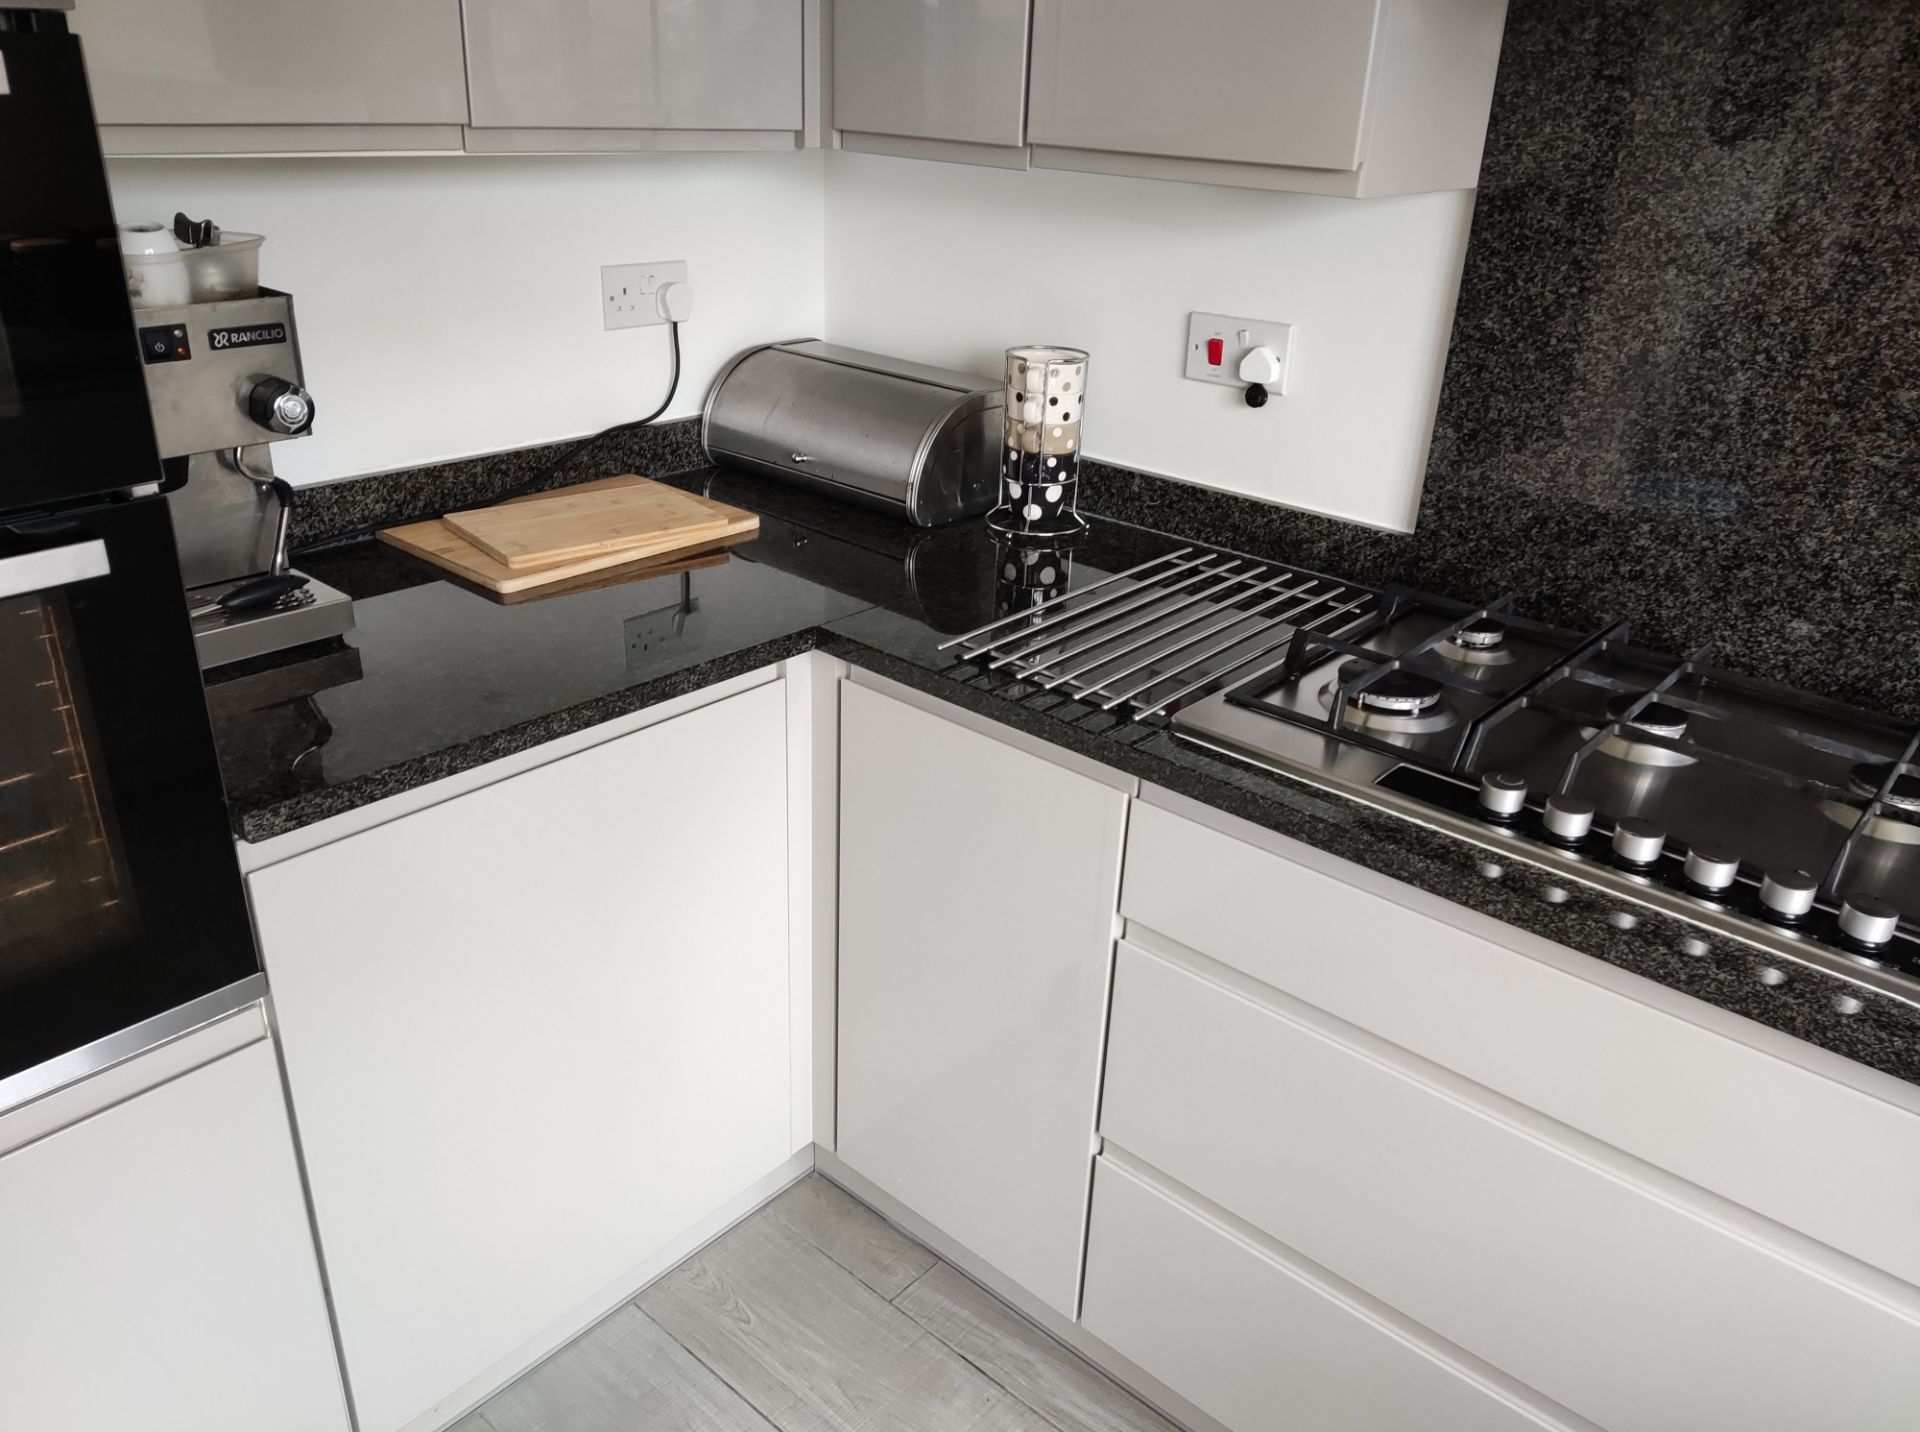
x,y
224,382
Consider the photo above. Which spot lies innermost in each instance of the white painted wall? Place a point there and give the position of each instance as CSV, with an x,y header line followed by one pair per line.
x,y
449,306
951,264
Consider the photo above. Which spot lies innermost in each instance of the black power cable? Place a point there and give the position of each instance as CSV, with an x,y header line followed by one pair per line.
x,y
580,445
567,455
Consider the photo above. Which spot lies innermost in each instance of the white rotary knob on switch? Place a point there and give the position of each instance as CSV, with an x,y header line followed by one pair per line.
x,y
1637,841
1502,795
1868,920
1788,894
1568,818
1712,867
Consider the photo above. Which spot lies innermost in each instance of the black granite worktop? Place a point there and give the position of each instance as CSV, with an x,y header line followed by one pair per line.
x,y
438,678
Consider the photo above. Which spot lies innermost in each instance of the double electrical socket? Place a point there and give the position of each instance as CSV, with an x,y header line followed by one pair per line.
x,y
628,292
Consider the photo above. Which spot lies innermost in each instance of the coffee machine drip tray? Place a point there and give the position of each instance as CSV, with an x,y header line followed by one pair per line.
x,y
313,612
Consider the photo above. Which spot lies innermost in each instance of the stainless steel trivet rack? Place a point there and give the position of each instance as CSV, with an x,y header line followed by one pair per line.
x,y
1145,641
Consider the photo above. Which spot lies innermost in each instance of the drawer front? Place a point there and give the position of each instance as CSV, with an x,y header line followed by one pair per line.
x,y
1556,1271
1697,1103
1241,1335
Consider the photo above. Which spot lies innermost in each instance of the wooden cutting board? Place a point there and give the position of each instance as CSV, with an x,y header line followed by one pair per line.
x,y
433,541
575,524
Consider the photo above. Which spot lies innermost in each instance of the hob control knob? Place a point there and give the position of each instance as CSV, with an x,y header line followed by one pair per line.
x,y
1568,818
1787,894
1637,841
1712,867
280,406
1868,920
1501,795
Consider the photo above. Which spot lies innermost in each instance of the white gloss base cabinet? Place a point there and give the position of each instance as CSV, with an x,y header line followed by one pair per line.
x,y
157,1268
977,893
1640,1305
1256,1343
533,1034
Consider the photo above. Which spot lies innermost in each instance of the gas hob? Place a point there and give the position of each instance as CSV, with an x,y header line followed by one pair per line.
x,y
1768,814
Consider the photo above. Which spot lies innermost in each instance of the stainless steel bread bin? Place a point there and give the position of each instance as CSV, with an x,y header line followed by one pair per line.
x,y
921,443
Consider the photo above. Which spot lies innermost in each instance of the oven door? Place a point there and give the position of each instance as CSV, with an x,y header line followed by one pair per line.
x,y
120,896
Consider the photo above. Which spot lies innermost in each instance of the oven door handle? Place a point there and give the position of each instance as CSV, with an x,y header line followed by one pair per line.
x,y
55,567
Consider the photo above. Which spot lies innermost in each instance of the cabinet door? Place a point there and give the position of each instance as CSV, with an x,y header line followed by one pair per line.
x,y
1282,82
157,1269
532,1035
1550,1262
274,62
977,893
635,64
943,69
1241,1333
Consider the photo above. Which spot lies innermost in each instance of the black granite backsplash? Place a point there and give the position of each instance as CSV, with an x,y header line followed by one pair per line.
x,y
1684,382
339,511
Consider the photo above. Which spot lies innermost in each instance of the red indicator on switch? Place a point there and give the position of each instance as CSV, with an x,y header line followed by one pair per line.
x,y
1216,352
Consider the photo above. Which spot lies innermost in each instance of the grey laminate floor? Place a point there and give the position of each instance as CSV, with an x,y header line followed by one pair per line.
x,y
814,1315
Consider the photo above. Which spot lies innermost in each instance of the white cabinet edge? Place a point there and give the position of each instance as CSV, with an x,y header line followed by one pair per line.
x,y
1567,960
258,856
996,730
133,1076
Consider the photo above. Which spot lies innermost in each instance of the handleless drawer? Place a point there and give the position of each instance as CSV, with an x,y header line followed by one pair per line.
x,y
1829,1160
1239,1333
1551,1267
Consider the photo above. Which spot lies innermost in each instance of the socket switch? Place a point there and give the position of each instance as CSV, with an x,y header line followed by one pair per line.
x,y
1216,343
628,292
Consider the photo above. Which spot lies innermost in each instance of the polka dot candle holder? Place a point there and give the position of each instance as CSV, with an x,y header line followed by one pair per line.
x,y
1040,465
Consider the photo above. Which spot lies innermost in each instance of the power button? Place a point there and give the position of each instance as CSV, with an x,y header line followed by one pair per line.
x,y
165,344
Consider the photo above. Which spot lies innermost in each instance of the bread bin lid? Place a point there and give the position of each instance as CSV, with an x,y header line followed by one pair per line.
x,y
839,415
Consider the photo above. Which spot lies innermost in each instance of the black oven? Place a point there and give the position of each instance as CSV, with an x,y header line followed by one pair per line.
x,y
122,918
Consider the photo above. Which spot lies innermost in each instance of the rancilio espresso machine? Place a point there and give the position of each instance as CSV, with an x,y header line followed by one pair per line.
x,y
225,383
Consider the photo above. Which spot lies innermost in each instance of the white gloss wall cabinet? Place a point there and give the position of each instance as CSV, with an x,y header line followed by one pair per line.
x,y
157,1268
533,1034
953,72
977,890
1359,98
644,65
1636,1305
195,76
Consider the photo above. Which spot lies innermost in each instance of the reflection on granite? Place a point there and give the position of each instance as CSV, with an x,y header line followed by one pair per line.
x,y
1681,383
450,680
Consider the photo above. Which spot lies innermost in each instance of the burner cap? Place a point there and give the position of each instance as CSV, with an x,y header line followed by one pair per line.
x,y
1656,718
1868,776
1482,634
1399,693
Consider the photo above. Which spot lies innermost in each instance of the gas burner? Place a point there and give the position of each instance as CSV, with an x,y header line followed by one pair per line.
x,y
1398,693
1656,718
1481,642
1399,701
1904,798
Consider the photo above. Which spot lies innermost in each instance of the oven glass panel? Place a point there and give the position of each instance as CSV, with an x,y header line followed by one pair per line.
x,y
64,894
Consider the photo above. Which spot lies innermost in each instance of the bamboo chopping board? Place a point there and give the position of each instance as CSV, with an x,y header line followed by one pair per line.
x,y
578,523
435,542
